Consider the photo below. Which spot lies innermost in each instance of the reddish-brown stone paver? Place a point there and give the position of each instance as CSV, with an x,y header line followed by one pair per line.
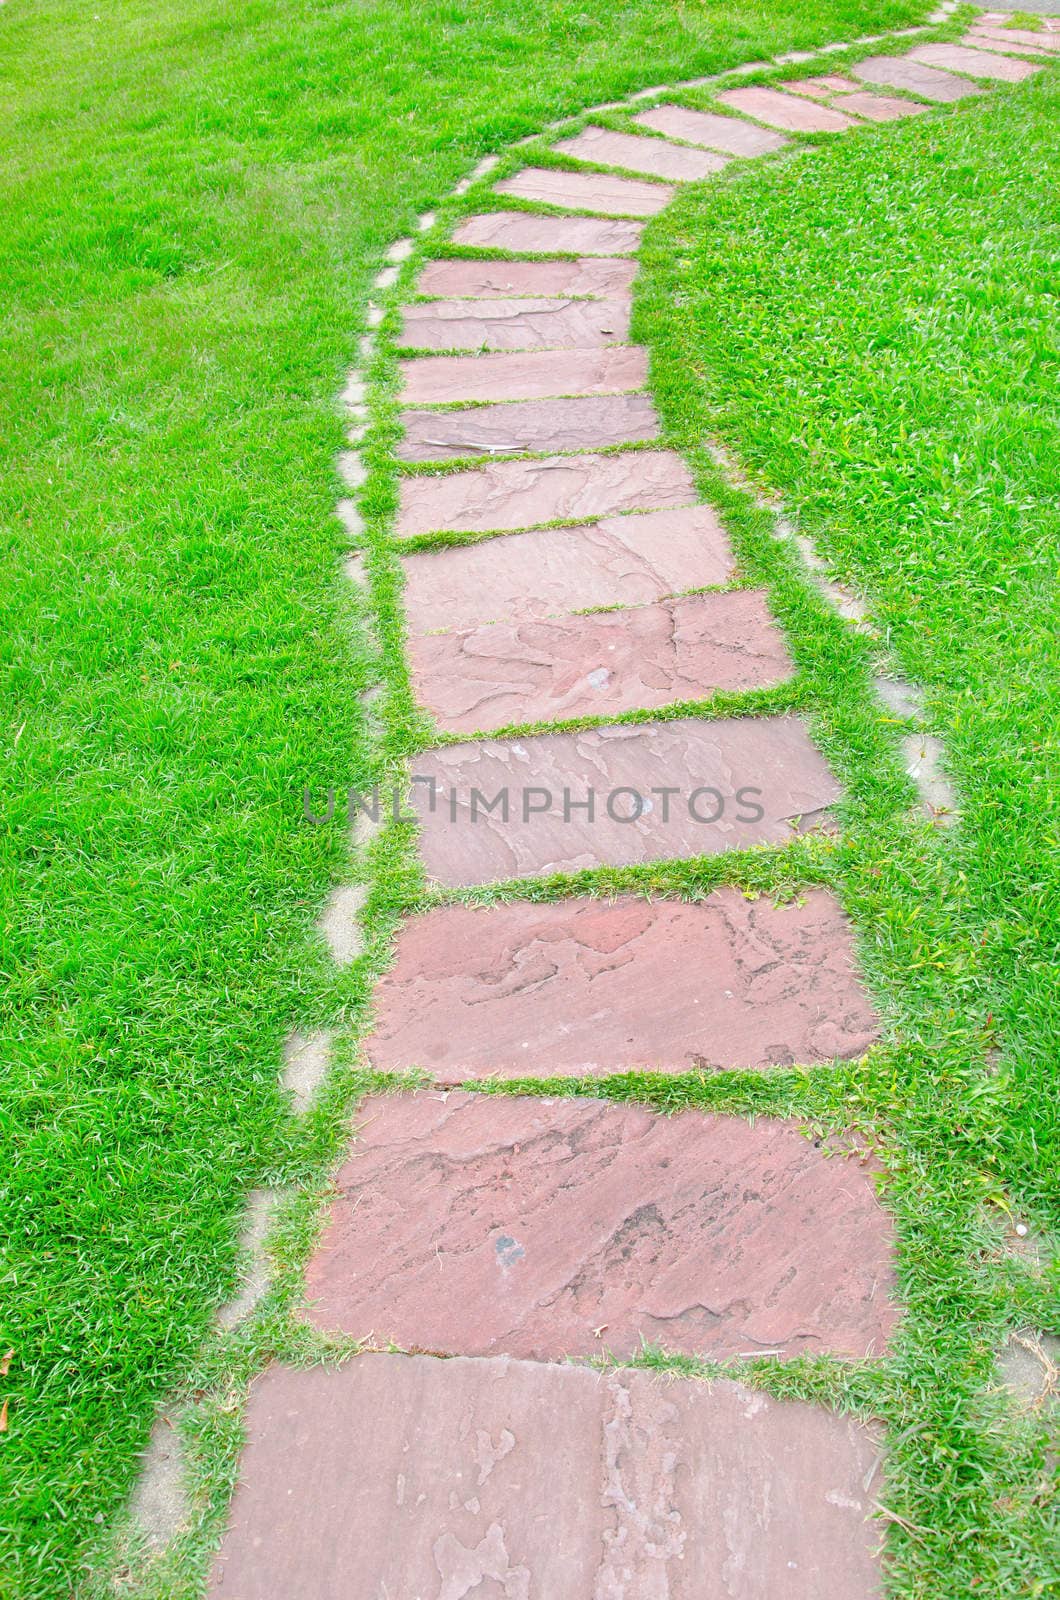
x,y
549,236
618,561
639,154
733,783
586,988
589,191
822,87
852,97
515,324
1020,41
534,375
976,63
503,280
881,107
519,494
711,131
482,679
589,423
900,73
407,1476
555,1228
790,112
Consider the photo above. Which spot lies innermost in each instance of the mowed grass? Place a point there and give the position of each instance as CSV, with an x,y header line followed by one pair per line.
x,y
194,200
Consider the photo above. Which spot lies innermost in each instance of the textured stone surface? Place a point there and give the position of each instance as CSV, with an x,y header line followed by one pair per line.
x,y
674,161
901,73
713,766
550,1229
515,324
589,422
1021,40
512,1480
618,561
881,107
537,375
536,671
787,111
976,63
712,131
487,280
584,988
523,231
589,191
822,87
518,494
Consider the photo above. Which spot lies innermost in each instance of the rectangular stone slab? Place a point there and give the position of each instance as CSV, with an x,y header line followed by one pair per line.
x,y
421,1479
712,131
976,63
482,679
822,87
529,324
1021,40
525,232
502,280
617,561
881,107
781,110
589,191
553,1229
518,494
656,156
740,782
588,422
901,73
585,988
535,375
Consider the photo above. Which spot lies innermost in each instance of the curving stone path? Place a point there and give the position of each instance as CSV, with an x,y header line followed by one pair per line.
x,y
501,1236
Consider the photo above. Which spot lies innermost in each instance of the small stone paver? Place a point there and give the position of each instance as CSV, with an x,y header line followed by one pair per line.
x,y
639,154
976,63
519,494
486,678
504,280
822,87
898,72
714,132
589,191
1020,40
517,1479
548,1229
731,784
786,111
524,231
620,560
591,422
515,324
586,988
534,375
881,107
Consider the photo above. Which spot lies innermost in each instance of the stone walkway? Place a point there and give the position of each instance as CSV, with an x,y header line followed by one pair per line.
x,y
504,1239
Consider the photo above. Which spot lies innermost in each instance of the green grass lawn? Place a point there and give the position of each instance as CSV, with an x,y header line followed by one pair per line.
x,y
194,203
